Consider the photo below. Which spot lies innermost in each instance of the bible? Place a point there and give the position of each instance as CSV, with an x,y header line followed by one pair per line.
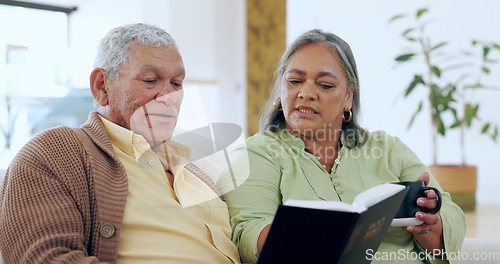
x,y
330,231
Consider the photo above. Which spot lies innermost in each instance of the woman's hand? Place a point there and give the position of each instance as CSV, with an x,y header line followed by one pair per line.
x,y
429,234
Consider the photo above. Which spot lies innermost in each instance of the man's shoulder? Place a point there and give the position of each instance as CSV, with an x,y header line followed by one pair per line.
x,y
53,141
55,135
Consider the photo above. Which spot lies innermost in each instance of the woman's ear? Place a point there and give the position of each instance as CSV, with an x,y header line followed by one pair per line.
x,y
98,86
350,95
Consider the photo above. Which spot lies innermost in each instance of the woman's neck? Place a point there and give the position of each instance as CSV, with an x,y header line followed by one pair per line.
x,y
323,145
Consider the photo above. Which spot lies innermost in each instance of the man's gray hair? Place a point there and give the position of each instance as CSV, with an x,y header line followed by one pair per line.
x,y
114,48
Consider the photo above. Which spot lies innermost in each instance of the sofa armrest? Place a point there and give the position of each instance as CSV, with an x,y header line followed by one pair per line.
x,y
477,250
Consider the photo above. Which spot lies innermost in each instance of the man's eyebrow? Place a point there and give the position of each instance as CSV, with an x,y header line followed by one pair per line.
x,y
148,67
181,72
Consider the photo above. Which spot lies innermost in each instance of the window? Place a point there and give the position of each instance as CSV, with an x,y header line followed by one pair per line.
x,y
33,74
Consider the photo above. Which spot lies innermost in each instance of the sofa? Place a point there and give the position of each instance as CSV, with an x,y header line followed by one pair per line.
x,y
474,250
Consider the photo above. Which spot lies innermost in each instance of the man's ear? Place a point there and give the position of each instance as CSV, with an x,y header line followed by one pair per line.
x,y
98,81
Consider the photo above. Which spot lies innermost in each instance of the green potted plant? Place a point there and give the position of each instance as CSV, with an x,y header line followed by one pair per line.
x,y
449,78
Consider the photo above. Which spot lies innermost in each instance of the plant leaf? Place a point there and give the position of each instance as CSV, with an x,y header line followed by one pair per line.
x,y
407,31
495,134
404,57
416,80
436,71
496,46
441,128
421,11
396,17
486,50
442,44
455,124
470,113
415,114
485,128
485,70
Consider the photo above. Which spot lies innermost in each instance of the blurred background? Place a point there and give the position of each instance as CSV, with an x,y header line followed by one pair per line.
x,y
46,57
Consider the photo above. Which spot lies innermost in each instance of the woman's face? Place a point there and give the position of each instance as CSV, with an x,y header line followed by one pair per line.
x,y
314,92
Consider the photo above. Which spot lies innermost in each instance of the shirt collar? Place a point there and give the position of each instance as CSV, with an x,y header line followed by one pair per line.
x,y
173,155
296,142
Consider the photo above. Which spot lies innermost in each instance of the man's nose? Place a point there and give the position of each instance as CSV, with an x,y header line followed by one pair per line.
x,y
169,95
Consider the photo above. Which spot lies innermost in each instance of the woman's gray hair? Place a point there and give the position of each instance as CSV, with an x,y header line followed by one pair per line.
x,y
271,119
114,48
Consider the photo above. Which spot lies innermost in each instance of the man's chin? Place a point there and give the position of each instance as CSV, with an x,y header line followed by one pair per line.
x,y
156,136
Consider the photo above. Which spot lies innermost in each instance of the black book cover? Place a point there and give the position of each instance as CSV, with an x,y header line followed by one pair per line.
x,y
306,235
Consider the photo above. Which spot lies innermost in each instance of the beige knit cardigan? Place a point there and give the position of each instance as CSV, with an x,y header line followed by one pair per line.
x,y
62,196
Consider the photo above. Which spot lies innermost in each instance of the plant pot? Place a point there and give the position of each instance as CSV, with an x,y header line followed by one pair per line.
x,y
459,181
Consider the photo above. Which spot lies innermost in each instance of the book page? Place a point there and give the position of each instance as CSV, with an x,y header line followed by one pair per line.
x,y
323,205
376,194
361,202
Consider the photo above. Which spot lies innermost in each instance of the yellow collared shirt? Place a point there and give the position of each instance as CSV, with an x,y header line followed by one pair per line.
x,y
184,224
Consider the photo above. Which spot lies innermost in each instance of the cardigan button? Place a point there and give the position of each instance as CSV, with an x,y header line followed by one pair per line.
x,y
107,230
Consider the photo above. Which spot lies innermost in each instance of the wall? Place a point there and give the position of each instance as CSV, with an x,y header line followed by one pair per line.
x,y
375,43
209,34
211,38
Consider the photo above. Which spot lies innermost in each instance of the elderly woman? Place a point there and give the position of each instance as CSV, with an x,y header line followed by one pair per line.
x,y
311,147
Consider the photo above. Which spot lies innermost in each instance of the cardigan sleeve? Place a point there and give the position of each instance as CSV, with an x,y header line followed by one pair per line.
x,y
44,203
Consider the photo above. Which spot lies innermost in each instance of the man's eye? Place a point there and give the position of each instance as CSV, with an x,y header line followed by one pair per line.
x,y
177,84
150,81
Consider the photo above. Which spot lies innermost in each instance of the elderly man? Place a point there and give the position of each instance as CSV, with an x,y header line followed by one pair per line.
x,y
117,189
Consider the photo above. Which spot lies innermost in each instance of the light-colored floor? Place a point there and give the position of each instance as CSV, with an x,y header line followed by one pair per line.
x,y
484,222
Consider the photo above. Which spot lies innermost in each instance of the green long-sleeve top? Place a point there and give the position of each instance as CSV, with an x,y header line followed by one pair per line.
x,y
274,167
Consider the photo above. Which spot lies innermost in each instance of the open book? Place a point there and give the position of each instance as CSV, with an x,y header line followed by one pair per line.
x,y
331,231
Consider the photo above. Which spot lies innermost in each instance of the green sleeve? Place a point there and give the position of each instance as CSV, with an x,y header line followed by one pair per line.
x,y
452,217
253,203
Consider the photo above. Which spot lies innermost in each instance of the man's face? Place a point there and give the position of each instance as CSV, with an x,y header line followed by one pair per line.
x,y
147,94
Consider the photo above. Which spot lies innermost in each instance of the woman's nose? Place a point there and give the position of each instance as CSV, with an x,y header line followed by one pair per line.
x,y
307,91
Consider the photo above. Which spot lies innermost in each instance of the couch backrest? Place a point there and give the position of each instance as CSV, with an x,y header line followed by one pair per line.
x,y
2,174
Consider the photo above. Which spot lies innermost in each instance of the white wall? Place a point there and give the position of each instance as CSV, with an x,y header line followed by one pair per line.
x,y
211,38
375,43
209,33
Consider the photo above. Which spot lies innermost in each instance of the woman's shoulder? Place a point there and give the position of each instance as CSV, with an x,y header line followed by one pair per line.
x,y
385,141
267,136
268,140
378,137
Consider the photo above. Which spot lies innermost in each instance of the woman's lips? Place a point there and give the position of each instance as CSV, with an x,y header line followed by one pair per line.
x,y
307,112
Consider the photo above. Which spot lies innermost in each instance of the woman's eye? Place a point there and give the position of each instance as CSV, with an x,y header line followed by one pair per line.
x,y
294,81
326,86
